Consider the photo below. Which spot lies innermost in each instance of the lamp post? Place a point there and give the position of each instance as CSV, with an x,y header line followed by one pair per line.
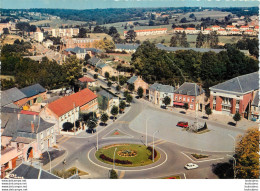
x,y
153,142
97,133
146,131
114,159
50,159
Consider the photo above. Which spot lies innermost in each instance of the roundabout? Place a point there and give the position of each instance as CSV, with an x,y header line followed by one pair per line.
x,y
127,155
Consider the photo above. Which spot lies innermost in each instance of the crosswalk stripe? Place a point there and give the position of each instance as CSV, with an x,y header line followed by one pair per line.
x,y
155,141
160,143
63,141
63,137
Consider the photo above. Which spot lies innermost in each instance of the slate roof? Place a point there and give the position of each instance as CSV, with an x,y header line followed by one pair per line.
x,y
22,127
30,172
94,61
241,84
189,89
162,88
33,90
132,79
106,94
83,50
127,46
11,95
255,101
66,104
101,65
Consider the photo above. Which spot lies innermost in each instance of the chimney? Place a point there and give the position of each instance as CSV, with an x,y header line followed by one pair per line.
x,y
32,126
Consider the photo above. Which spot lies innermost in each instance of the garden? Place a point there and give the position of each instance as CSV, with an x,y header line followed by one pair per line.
x,y
128,155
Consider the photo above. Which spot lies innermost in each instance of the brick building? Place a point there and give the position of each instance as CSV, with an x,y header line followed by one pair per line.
x,y
138,82
234,95
79,42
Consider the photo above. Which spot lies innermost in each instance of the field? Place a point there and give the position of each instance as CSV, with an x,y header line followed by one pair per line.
x,y
205,14
140,159
55,23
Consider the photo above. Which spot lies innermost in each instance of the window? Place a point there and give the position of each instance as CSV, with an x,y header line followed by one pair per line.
x,y
48,132
52,130
176,98
214,106
188,99
191,106
237,102
184,98
180,98
237,110
192,100
214,98
41,135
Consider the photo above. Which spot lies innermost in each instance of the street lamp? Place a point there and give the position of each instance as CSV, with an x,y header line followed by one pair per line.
x,y
234,165
97,133
146,130
114,158
153,142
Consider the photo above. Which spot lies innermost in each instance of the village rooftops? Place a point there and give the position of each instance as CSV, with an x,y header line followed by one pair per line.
x,y
106,94
78,50
94,61
149,30
11,95
33,90
86,79
101,65
239,85
255,101
191,89
27,171
132,79
162,88
67,103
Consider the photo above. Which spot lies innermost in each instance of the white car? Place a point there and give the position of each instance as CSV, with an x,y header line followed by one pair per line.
x,y
190,166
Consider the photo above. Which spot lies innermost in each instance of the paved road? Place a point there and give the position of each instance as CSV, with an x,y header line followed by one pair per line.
x,y
81,152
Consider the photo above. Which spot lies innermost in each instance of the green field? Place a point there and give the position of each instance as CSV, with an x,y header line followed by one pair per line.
x,y
140,159
55,23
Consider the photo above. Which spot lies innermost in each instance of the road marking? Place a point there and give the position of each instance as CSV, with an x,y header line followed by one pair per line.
x,y
201,160
161,142
122,174
63,137
63,141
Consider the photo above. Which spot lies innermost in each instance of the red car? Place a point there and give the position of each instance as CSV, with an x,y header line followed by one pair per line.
x,y
183,124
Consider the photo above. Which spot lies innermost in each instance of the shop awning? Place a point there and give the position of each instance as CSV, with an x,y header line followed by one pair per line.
x,y
177,103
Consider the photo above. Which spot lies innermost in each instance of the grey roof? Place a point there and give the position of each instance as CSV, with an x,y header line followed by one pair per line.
x,y
255,101
51,99
22,127
132,80
94,61
173,49
127,46
162,88
241,84
11,95
101,65
106,94
33,90
30,172
83,50
95,50
189,89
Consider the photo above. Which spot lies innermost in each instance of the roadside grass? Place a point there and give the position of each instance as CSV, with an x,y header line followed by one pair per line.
x,y
69,172
204,131
141,159
73,170
57,22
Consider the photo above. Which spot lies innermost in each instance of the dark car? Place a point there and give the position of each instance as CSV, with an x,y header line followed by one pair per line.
x,y
183,124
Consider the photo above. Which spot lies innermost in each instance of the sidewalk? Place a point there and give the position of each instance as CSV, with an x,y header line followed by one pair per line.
x,y
224,120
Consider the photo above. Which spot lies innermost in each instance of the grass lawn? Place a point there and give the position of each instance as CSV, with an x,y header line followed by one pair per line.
x,y
140,159
55,23
199,156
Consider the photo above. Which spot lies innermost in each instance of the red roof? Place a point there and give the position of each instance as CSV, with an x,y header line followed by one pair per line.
x,y
148,30
256,27
179,29
234,30
86,79
190,29
66,104
230,26
29,112
208,29
221,30
249,31
244,26
215,26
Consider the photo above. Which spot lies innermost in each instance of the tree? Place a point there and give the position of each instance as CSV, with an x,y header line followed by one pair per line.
x,y
112,31
113,174
118,88
106,75
84,70
192,16
166,100
247,155
82,33
186,106
173,41
237,117
73,69
200,40
91,124
183,20
140,92
122,106
109,84
130,36
104,118
129,99
95,76
131,87
5,31
151,23
208,111
183,40
126,93
96,70
114,111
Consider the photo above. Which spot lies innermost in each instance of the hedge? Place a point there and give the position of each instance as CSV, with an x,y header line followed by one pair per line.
x,y
151,150
104,157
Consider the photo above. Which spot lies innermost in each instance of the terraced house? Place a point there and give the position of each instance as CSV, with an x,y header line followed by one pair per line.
x,y
235,95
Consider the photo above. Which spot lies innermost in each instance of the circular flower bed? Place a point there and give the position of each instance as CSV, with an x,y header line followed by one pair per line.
x,y
127,153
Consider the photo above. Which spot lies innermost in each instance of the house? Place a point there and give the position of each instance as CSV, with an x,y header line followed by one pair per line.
x,y
86,82
47,44
178,29
256,28
78,42
66,109
113,100
65,32
13,96
230,27
24,136
28,171
81,52
207,31
222,32
234,95
38,36
129,48
94,61
137,81
255,107
249,32
157,92
191,31
103,68
146,32
189,93
244,28
215,28
234,32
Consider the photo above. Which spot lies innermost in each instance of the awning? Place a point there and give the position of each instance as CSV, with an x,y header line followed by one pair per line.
x,y
177,103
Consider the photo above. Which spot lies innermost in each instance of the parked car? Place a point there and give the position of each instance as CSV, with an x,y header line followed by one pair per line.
x,y
190,166
183,124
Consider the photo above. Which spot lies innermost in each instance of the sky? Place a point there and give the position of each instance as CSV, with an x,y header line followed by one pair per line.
x,y
93,4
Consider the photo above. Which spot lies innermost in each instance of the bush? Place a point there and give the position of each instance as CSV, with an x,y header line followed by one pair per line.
x,y
151,150
104,157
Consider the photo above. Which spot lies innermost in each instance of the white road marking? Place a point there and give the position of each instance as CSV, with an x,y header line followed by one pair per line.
x,y
201,160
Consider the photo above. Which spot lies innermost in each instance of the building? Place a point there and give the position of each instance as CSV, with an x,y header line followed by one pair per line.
x,y
215,28
249,32
65,32
103,68
137,81
234,95
191,31
189,93
222,32
13,96
47,44
79,42
255,106
244,28
86,82
66,109
129,48
230,27
113,100
234,32
207,31
38,36
94,61
157,92
178,30
146,32
81,52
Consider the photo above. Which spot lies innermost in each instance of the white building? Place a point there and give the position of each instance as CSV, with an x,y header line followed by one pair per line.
x,y
69,32
38,36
